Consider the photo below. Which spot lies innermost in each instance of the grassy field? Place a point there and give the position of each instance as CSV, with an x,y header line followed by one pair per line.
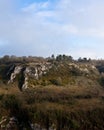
x,y
74,108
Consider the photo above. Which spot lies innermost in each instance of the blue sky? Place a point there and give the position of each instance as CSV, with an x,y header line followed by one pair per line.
x,y
45,27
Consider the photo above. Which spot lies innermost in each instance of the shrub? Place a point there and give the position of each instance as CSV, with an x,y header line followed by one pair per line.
x,y
11,103
57,81
101,81
1,96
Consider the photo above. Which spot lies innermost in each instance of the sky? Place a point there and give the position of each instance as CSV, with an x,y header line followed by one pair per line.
x,y
46,27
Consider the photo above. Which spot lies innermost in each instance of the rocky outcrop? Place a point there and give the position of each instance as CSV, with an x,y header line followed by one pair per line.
x,y
29,74
13,75
9,123
34,71
84,68
25,84
12,123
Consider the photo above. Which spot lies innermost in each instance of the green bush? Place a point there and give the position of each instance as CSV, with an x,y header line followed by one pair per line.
x,y
101,81
1,96
10,102
57,81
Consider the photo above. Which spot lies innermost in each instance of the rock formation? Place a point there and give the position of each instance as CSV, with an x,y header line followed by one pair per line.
x,y
34,71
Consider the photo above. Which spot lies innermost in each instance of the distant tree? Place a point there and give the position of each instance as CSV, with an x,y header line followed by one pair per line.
x,y
59,58
64,58
89,59
70,58
79,59
84,59
53,57
6,58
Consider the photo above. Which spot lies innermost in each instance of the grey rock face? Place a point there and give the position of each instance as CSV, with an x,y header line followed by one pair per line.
x,y
34,71
17,70
9,123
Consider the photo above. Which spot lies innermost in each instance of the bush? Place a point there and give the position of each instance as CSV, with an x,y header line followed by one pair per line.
x,y
101,81
57,81
1,96
11,103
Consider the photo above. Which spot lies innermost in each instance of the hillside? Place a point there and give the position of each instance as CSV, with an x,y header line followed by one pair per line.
x,y
51,93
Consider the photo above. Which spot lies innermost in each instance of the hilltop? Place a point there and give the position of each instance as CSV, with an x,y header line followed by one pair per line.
x,y
61,71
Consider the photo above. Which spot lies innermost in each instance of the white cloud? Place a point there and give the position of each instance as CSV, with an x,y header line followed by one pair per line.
x,y
86,17
36,7
70,29
44,28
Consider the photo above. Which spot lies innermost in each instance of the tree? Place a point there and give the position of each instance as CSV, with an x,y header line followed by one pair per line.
x,y
53,57
6,58
59,58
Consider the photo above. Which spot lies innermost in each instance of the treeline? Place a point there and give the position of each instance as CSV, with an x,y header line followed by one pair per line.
x,y
58,58
63,57
22,59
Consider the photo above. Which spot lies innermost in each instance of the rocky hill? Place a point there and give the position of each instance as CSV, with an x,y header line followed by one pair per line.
x,y
31,74
51,93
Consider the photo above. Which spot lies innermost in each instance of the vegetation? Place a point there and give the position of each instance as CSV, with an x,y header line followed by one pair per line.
x,y
69,96
51,106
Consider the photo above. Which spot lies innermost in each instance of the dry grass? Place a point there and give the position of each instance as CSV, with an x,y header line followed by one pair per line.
x,y
65,107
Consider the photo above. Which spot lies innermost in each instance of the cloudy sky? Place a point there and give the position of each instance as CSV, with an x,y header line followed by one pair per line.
x,y
45,27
